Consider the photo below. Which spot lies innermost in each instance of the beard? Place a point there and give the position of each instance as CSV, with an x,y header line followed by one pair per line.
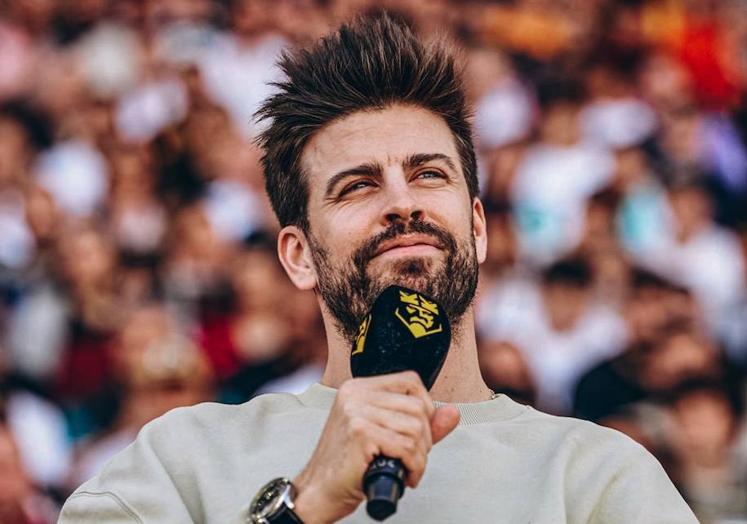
x,y
348,291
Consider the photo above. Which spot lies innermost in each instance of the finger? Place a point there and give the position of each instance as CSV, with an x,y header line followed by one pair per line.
x,y
407,404
410,451
377,440
405,382
416,427
443,422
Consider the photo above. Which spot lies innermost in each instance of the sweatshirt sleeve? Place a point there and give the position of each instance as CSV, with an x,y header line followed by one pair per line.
x,y
641,492
85,507
141,484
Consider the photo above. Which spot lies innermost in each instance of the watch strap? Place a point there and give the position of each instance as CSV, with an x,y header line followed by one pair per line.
x,y
285,515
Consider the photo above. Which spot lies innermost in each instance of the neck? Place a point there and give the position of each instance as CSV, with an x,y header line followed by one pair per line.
x,y
460,379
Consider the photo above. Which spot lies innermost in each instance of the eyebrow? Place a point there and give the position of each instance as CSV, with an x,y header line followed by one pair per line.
x,y
372,169
375,169
419,159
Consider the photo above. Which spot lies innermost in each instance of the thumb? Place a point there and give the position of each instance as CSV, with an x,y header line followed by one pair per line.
x,y
444,420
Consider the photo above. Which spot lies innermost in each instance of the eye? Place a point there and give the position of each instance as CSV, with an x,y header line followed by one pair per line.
x,y
430,174
356,186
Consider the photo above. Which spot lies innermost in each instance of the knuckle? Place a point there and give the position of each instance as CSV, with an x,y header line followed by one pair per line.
x,y
412,377
410,446
418,407
415,427
347,388
357,427
349,409
413,405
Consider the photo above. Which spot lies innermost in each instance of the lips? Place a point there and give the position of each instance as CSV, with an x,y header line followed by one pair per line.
x,y
408,241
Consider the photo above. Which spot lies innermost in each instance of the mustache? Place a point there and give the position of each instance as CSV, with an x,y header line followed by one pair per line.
x,y
368,250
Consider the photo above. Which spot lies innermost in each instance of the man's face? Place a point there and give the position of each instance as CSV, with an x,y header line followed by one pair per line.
x,y
389,204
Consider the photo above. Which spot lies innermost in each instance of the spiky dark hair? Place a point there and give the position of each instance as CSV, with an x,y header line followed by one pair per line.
x,y
371,63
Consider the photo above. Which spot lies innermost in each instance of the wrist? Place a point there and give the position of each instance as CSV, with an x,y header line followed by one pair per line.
x,y
310,504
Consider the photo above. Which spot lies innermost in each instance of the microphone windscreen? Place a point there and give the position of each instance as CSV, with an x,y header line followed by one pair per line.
x,y
405,330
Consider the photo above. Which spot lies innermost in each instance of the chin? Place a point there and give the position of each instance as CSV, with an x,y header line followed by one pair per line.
x,y
415,265
411,272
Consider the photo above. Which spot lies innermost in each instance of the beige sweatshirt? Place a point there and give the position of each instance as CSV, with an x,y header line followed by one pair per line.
x,y
504,463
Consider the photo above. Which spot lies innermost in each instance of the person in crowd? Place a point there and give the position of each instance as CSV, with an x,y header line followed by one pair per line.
x,y
561,330
20,501
252,340
158,368
505,370
610,270
697,253
648,370
704,436
84,377
38,428
556,176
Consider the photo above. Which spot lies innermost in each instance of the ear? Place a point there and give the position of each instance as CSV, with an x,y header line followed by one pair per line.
x,y
295,256
479,230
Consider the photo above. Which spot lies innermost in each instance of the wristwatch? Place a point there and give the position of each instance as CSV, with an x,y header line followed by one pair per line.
x,y
273,504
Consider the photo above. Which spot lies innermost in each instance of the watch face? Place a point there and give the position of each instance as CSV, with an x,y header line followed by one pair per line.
x,y
269,499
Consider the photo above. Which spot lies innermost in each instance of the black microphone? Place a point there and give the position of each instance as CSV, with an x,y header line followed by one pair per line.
x,y
405,330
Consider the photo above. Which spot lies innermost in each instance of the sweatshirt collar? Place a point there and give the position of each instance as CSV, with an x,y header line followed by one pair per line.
x,y
498,409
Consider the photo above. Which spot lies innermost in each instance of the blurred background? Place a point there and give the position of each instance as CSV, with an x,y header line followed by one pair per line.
x,y
137,260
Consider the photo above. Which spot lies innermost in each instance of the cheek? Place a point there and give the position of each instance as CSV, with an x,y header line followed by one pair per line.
x,y
341,236
451,212
349,220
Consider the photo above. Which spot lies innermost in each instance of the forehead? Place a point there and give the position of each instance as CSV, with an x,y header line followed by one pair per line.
x,y
385,136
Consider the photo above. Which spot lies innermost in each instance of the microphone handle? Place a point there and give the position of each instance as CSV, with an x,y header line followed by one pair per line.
x,y
383,484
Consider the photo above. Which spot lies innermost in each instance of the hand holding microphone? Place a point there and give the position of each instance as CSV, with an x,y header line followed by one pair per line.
x,y
405,330
385,414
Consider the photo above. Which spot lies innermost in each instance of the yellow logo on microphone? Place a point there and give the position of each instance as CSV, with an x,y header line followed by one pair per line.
x,y
360,338
419,315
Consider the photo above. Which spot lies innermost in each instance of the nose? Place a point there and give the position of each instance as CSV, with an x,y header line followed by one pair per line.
x,y
401,205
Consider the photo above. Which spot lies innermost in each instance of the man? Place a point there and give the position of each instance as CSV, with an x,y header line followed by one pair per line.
x,y
370,168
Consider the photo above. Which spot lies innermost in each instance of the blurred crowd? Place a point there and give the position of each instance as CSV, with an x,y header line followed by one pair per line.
x,y
137,260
